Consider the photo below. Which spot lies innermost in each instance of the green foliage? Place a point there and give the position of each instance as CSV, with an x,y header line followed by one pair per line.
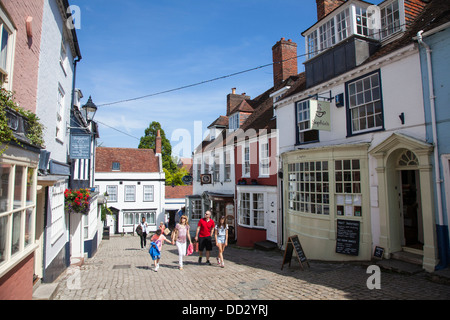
x,y
176,177
35,130
149,142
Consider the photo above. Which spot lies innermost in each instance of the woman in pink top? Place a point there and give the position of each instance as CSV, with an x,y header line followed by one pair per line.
x,y
180,234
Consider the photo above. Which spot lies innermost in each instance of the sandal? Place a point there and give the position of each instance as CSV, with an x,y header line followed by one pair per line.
x,y
218,261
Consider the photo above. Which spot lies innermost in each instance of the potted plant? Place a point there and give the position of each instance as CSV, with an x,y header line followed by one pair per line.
x,y
77,201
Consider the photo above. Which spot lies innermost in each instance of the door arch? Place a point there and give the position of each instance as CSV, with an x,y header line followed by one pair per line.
x,y
395,155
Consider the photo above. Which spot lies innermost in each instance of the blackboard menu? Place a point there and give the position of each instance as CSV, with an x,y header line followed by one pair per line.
x,y
292,244
347,239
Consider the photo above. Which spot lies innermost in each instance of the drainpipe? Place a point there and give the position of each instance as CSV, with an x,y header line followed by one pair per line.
x,y
437,170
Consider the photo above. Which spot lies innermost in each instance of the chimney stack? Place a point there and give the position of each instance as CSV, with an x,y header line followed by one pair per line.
x,y
324,7
158,143
233,100
284,54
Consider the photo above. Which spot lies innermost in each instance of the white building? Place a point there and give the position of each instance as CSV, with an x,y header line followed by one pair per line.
x,y
367,164
134,181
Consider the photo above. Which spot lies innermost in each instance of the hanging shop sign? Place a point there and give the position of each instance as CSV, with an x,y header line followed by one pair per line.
x,y
80,146
320,115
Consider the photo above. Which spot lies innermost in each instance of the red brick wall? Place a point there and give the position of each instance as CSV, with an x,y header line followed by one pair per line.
x,y
284,55
324,7
26,59
17,284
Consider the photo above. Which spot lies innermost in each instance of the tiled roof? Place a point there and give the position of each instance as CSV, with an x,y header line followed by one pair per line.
x,y
131,160
178,192
221,121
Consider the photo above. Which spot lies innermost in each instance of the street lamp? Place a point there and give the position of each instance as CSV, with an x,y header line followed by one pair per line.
x,y
90,109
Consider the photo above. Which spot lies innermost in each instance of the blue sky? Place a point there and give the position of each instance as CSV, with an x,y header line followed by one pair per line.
x,y
135,48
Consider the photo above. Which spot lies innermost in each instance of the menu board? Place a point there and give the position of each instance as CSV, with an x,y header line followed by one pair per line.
x,y
294,243
347,239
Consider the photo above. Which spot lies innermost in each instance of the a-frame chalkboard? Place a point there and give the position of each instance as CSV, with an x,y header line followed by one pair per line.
x,y
294,243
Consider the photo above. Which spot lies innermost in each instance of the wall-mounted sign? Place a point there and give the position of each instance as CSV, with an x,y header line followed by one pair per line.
x,y
80,146
320,115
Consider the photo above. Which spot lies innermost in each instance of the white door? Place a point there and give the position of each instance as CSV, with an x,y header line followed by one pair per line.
x,y
271,217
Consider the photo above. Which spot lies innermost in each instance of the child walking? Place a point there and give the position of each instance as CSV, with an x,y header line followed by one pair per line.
x,y
221,239
156,246
181,232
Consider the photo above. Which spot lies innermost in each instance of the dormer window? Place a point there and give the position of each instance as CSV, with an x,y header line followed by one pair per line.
x,y
116,166
234,122
354,19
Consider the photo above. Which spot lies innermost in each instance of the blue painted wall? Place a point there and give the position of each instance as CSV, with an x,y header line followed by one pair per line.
x,y
440,57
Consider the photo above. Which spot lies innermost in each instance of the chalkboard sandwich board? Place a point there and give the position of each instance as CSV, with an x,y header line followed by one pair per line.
x,y
378,252
347,239
294,243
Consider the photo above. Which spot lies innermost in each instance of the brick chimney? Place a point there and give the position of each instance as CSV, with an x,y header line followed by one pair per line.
x,y
233,100
284,54
324,7
158,143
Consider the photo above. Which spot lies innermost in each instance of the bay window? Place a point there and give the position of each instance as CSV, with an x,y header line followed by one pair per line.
x,y
17,209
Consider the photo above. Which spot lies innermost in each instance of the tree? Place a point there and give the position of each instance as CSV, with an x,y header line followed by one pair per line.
x,y
149,142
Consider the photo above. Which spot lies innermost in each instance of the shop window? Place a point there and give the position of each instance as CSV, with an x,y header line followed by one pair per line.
x,y
309,187
348,188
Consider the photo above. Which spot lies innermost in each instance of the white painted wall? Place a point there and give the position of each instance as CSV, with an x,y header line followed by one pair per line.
x,y
51,74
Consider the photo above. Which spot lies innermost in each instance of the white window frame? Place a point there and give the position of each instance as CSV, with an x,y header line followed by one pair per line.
x,y
365,103
63,56
389,28
196,209
246,159
25,209
57,206
248,211
227,165
60,132
129,193
264,158
216,167
6,71
149,193
234,122
112,193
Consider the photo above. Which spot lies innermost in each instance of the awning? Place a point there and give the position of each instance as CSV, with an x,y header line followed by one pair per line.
x,y
217,196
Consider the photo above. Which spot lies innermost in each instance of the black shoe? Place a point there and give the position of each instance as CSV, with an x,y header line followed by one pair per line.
x,y
207,262
199,260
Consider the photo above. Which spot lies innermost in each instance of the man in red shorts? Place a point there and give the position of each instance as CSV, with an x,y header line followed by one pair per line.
x,y
205,230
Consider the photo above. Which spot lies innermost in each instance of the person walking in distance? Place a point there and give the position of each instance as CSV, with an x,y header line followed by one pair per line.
x,y
143,234
205,230
221,235
181,232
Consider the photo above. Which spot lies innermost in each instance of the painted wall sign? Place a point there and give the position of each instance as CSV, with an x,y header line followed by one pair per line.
x,y
320,115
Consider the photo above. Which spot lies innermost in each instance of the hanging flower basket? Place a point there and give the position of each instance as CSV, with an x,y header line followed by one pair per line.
x,y
77,201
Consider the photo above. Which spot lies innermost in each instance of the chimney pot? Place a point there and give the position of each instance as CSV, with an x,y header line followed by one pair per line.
x,y
233,90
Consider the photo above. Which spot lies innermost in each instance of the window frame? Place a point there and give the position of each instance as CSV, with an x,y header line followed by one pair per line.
x,y
6,74
152,194
126,193
298,132
264,158
247,211
24,208
61,102
246,166
110,194
350,132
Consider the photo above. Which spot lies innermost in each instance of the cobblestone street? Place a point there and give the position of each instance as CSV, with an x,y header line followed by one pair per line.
x,y
120,270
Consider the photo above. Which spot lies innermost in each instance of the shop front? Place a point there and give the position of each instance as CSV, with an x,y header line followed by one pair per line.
x,y
327,195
